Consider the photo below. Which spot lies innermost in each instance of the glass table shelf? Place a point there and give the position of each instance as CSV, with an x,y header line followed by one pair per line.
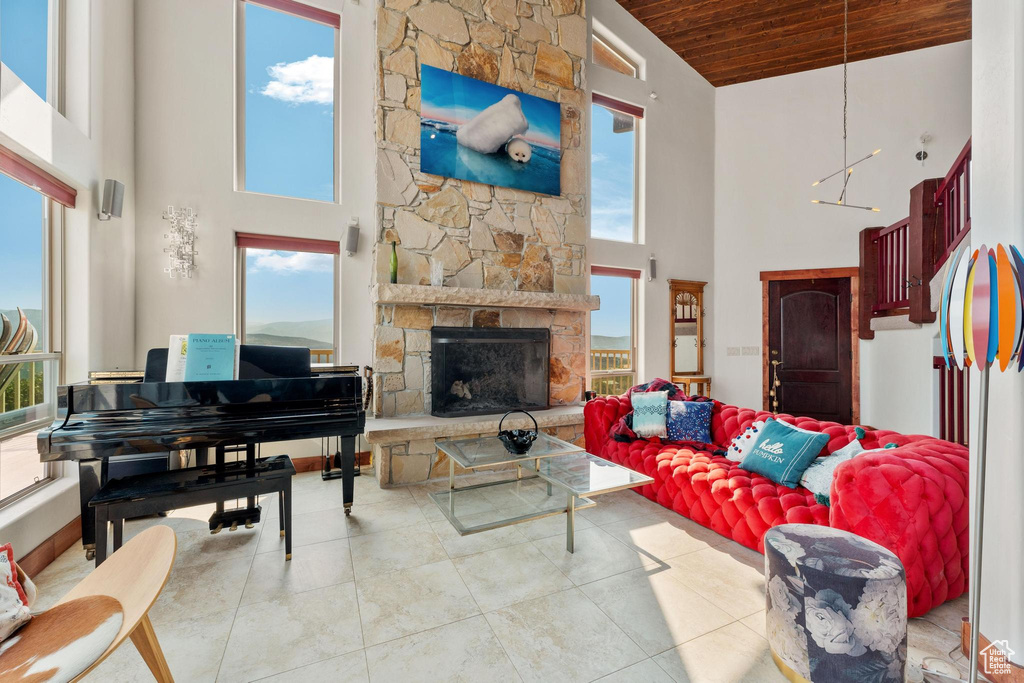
x,y
489,451
587,475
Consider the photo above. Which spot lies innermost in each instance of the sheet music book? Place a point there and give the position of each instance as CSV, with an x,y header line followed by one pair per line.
x,y
177,351
210,357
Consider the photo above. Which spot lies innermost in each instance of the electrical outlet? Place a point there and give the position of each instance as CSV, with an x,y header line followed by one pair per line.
x,y
751,350
733,351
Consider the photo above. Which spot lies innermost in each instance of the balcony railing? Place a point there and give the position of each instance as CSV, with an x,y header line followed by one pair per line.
x,y
604,360
953,200
26,388
891,243
321,355
604,363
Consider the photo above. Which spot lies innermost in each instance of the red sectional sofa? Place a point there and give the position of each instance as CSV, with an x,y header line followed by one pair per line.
x,y
912,499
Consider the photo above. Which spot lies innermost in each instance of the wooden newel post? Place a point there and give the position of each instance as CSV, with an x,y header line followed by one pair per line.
x,y
868,280
923,248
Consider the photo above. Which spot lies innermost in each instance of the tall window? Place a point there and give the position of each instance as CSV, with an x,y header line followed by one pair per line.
x,y
613,330
287,293
613,161
288,99
28,365
28,45
610,57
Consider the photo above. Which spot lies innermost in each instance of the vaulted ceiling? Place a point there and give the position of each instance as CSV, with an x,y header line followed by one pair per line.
x,y
731,41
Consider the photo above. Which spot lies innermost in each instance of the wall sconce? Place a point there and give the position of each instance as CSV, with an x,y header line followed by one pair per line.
x,y
112,201
182,250
652,269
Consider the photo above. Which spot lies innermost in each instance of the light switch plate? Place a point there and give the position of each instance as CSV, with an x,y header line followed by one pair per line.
x,y
733,351
751,350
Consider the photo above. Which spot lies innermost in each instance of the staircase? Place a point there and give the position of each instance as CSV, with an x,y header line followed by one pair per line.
x,y
899,263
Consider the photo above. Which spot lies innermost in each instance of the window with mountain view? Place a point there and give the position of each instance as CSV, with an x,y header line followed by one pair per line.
x,y
289,294
289,101
613,328
26,387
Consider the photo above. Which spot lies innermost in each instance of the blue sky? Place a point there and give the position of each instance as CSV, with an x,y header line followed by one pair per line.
x,y
289,105
611,178
451,97
288,286
23,50
613,319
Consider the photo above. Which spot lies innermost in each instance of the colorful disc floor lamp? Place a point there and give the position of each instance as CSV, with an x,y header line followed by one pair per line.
x,y
981,320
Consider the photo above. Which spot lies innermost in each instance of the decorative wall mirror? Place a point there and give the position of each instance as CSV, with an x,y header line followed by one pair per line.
x,y
687,325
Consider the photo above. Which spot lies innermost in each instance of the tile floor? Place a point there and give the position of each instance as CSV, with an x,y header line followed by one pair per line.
x,y
394,594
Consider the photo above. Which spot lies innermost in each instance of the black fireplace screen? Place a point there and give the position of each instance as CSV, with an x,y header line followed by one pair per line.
x,y
479,371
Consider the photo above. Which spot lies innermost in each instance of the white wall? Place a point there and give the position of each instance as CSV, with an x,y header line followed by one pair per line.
x,y
677,166
998,216
773,138
94,141
185,70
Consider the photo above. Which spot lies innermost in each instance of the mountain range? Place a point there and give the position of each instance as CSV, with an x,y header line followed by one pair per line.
x,y
600,341
315,334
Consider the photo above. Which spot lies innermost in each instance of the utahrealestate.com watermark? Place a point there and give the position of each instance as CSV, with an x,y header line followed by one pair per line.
x,y
995,658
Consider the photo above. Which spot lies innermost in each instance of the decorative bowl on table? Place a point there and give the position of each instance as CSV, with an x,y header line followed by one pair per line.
x,y
517,441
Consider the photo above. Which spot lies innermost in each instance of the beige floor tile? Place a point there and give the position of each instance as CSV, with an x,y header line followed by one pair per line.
x,y
291,631
597,556
464,651
60,576
388,551
551,526
350,668
657,611
457,545
307,528
949,614
312,566
504,576
193,649
926,639
370,519
756,623
367,491
562,637
411,600
201,589
646,671
664,534
726,655
618,506
202,547
729,575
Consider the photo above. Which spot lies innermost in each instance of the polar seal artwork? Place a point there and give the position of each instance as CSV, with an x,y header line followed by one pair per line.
x,y
519,150
488,131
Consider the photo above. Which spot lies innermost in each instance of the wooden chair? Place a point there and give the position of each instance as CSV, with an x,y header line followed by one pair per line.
x,y
134,576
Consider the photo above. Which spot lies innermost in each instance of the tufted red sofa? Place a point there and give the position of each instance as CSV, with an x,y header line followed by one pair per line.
x,y
912,499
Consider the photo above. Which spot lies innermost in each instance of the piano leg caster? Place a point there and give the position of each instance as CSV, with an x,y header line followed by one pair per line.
x,y
217,529
282,533
288,557
348,509
248,524
90,554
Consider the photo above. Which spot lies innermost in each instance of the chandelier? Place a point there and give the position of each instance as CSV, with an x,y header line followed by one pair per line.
x,y
847,169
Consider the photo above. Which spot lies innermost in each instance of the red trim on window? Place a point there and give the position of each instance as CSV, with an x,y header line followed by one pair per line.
x,y
39,180
248,239
305,11
618,105
616,272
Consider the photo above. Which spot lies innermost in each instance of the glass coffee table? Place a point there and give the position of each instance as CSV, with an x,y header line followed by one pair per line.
x,y
553,478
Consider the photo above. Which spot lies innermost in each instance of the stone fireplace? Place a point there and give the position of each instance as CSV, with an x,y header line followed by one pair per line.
x,y
483,371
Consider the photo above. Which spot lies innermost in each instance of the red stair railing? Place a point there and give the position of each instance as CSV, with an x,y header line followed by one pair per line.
x,y
953,197
892,290
954,402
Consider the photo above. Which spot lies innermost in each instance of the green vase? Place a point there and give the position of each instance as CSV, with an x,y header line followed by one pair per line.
x,y
394,264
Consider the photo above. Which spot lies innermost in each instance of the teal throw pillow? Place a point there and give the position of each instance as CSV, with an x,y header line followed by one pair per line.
x,y
783,452
818,477
649,413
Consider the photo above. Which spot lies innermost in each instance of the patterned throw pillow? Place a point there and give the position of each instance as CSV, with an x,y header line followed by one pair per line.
x,y
13,599
689,421
742,443
783,452
818,477
649,414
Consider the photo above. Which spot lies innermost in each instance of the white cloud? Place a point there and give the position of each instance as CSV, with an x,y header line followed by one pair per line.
x,y
302,82
291,261
598,157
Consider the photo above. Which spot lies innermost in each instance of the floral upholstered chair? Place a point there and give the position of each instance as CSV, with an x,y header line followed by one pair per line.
x,y
836,605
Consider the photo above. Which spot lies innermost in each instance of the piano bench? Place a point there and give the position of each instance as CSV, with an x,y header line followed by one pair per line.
x,y
152,493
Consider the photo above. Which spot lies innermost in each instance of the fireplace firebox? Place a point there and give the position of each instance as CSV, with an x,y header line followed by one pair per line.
x,y
480,371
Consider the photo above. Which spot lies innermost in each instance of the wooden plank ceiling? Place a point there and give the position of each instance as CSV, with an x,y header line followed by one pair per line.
x,y
732,41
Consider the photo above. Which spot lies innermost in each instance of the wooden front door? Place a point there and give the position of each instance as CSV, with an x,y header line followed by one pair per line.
x,y
809,333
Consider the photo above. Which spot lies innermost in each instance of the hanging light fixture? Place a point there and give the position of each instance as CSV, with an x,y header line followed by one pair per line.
x,y
847,169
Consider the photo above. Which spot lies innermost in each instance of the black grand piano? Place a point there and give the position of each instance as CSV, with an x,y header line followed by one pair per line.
x,y
97,421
